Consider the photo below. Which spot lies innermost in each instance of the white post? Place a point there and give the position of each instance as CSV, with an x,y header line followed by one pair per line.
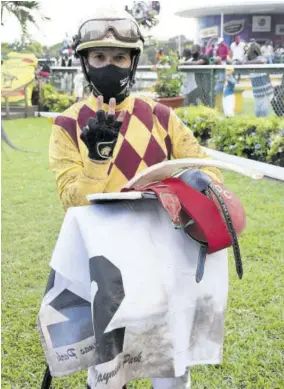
x,y
222,26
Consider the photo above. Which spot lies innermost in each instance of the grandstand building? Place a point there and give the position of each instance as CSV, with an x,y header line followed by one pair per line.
x,y
251,19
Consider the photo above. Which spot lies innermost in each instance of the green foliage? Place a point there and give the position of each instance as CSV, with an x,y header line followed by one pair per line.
x,y
5,49
24,46
148,57
54,101
170,79
31,220
54,50
201,120
30,46
246,136
275,154
261,139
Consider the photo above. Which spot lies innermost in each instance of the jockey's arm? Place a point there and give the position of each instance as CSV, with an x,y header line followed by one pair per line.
x,y
74,179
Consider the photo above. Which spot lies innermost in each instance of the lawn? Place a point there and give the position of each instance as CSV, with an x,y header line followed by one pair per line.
x,y
248,107
31,219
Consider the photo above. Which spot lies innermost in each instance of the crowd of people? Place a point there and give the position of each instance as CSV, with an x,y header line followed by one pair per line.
x,y
215,52
237,53
197,85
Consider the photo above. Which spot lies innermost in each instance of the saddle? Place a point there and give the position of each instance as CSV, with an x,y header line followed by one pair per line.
x,y
206,210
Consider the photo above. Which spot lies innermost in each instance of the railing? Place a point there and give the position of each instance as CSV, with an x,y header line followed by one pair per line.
x,y
212,73
209,80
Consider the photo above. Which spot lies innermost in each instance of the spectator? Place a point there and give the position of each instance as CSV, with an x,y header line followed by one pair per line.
x,y
66,59
190,83
254,53
209,52
217,61
45,72
268,52
203,48
186,55
222,50
198,85
280,50
197,58
279,54
160,55
238,50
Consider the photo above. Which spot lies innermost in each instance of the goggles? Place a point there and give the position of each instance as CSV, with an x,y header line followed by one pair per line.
x,y
123,29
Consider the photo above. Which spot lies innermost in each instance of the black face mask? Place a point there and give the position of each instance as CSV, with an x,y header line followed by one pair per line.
x,y
111,81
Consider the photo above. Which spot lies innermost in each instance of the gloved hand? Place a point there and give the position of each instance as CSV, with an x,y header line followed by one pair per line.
x,y
196,179
101,133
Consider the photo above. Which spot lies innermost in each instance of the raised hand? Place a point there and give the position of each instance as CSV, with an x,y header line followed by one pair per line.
x,y
101,133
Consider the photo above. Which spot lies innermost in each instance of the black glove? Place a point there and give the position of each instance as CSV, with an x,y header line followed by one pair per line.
x,y
196,179
100,136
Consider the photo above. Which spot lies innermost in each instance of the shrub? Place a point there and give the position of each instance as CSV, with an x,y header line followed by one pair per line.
x,y
170,79
275,154
260,139
54,101
201,120
245,136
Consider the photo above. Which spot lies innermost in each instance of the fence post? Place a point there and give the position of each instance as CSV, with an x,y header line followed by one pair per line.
x,y
7,107
212,86
38,82
26,102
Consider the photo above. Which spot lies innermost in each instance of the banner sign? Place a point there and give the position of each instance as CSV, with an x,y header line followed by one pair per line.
x,y
209,32
234,27
122,296
261,23
17,71
279,29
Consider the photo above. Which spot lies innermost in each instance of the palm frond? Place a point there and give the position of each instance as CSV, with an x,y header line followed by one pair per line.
x,y
22,10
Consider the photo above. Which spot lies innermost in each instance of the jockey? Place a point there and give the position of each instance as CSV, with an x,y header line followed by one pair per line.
x,y
99,144
100,152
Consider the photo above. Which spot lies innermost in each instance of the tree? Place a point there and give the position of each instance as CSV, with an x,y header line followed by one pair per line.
x,y
54,50
23,46
23,11
178,42
5,48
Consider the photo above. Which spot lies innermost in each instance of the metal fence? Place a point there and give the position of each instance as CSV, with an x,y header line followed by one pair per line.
x,y
261,85
258,86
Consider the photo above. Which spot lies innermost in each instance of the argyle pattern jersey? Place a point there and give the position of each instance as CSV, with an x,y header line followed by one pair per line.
x,y
150,133
140,143
137,150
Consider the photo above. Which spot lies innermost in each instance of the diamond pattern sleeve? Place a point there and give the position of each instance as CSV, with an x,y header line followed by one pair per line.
x,y
74,179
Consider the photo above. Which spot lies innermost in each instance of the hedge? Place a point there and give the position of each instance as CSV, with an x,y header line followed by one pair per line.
x,y
261,139
54,101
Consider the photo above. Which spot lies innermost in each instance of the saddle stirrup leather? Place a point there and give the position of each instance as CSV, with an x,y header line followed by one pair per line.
x,y
47,378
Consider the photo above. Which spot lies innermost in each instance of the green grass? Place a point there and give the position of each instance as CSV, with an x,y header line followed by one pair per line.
x,y
31,219
248,108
